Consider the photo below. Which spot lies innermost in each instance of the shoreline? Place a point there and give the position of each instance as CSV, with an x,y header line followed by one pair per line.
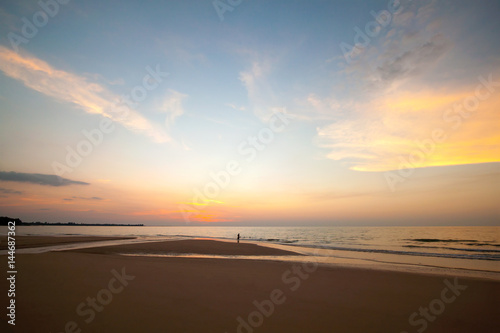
x,y
212,295
163,247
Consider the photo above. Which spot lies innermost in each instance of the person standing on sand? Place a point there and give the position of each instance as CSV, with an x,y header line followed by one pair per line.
x,y
238,238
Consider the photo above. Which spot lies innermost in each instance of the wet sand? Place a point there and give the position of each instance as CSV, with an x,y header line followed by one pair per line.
x,y
198,246
105,292
23,242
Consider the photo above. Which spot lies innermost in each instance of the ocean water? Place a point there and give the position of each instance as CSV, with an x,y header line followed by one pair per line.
x,y
473,249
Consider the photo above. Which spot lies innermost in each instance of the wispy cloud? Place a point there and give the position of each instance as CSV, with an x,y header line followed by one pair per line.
x,y
315,108
260,93
238,108
83,198
409,47
395,104
67,87
9,191
403,57
412,61
173,106
38,178
89,198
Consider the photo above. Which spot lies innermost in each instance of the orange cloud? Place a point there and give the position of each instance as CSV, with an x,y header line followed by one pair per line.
x,y
418,129
67,87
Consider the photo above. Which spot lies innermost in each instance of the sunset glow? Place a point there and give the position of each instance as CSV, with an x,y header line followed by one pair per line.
x,y
182,119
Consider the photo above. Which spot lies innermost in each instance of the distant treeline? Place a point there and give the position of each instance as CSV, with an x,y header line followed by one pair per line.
x,y
4,220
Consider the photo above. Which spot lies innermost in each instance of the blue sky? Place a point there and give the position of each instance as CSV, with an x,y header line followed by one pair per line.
x,y
344,157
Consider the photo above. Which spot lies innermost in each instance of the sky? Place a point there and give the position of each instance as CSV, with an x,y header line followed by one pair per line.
x,y
283,112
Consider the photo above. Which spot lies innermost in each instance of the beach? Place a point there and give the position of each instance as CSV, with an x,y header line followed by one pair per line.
x,y
23,242
98,290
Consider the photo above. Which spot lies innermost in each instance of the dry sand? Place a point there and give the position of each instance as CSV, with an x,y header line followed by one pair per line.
x,y
208,295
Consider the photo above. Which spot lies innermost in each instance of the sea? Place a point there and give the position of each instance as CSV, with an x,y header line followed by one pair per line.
x,y
470,251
